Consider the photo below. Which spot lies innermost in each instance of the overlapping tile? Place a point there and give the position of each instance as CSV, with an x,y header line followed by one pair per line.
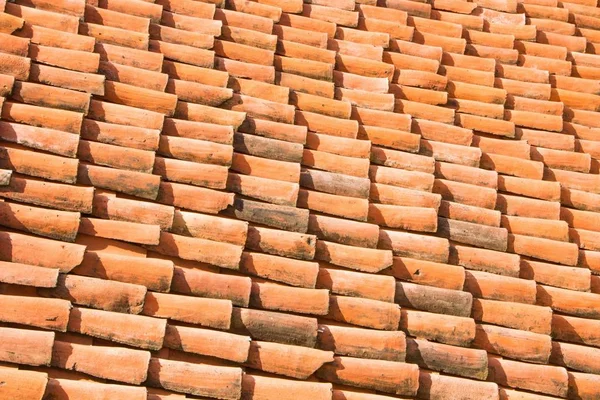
x,y
349,199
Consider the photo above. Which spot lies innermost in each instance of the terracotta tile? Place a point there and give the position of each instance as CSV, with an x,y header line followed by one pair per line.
x,y
27,275
26,311
17,247
381,119
428,273
495,287
448,329
364,312
433,386
548,25
361,259
425,111
116,157
245,20
281,243
39,164
412,245
129,182
50,140
94,360
515,344
485,260
303,36
465,193
544,249
138,8
211,176
202,283
62,389
258,387
357,167
56,38
109,207
182,53
387,194
548,229
582,386
550,140
198,130
186,7
61,225
343,282
195,150
406,96
509,74
531,188
9,23
244,70
27,347
352,207
130,57
468,21
512,205
132,330
534,120
102,245
275,327
189,248
212,313
279,192
529,317
108,18
447,43
573,356
401,160
47,19
206,26
403,217
181,195
575,330
582,117
127,269
488,237
50,118
465,174
334,183
274,130
98,293
357,82
14,45
431,299
549,379
374,344
519,149
411,60
179,36
261,90
271,296
442,357
23,384
292,272
567,301
397,378
356,49
81,81
300,362
208,342
584,239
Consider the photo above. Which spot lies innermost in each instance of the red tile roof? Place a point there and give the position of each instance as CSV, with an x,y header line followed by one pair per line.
x,y
299,199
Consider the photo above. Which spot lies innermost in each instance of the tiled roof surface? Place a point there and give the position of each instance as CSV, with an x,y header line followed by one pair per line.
x,y
284,200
